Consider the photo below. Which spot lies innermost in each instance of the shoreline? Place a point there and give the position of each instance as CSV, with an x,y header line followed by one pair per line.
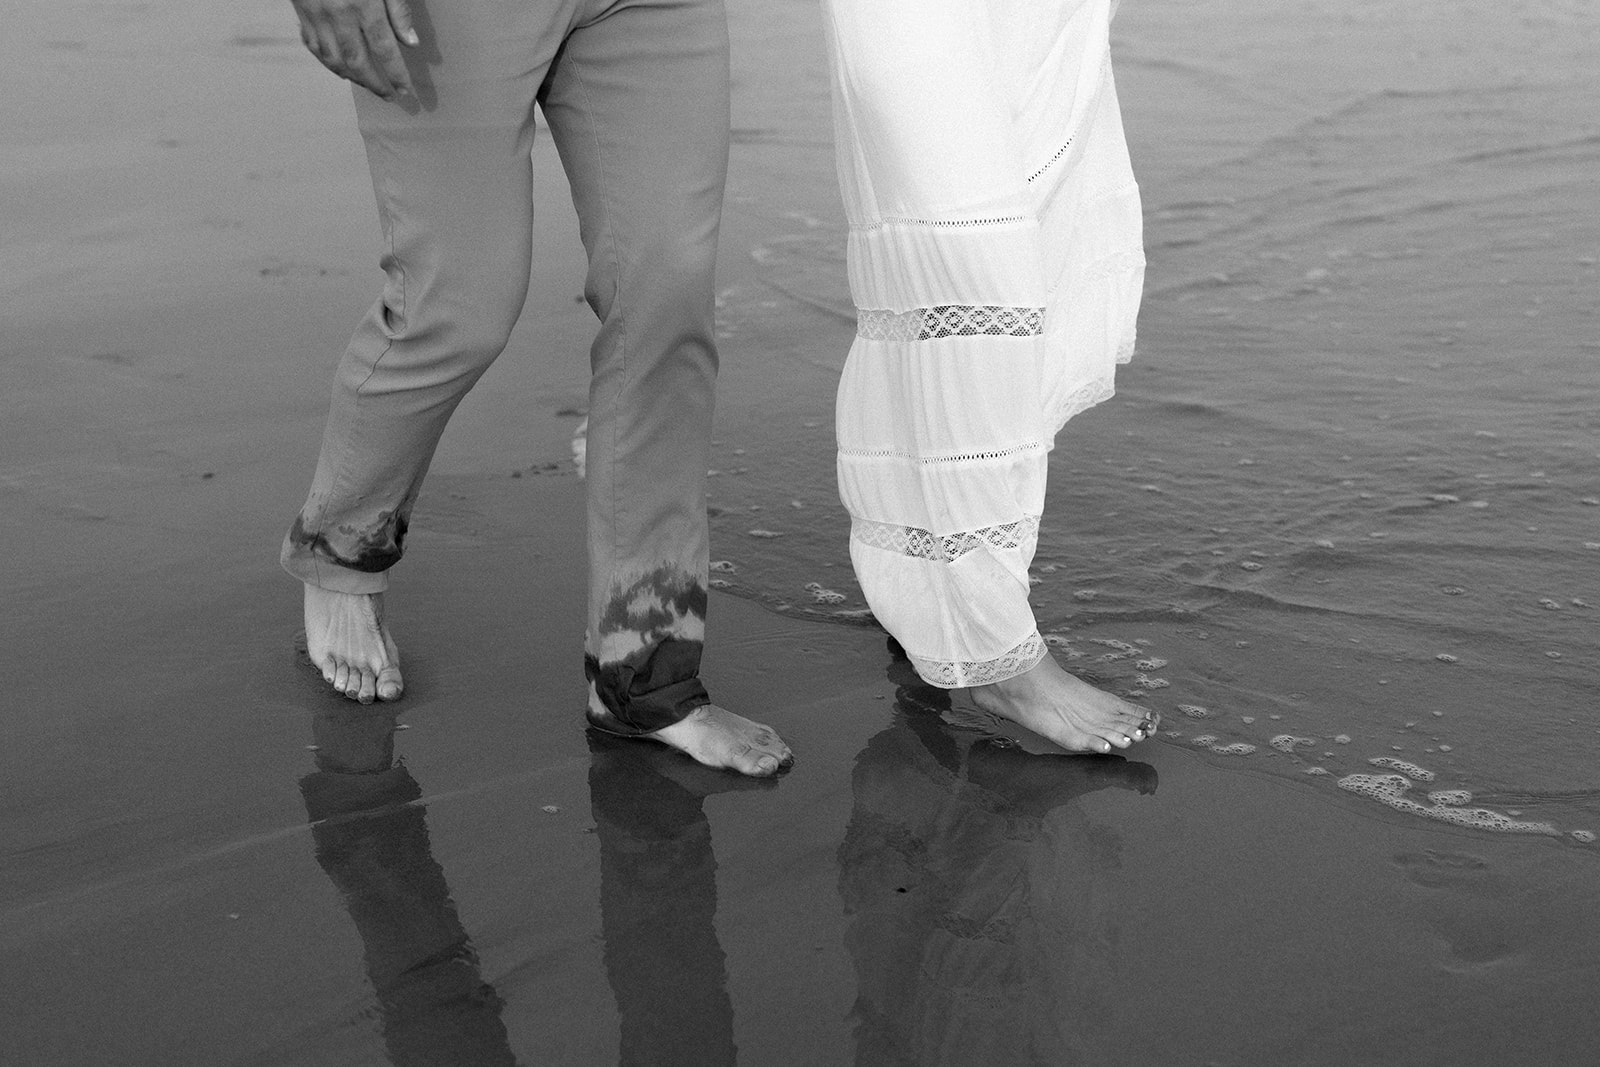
x,y
1190,908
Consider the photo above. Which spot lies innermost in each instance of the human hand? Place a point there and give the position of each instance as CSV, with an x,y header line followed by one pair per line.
x,y
360,40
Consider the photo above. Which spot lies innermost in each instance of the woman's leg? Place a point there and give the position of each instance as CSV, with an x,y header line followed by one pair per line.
x,y
943,422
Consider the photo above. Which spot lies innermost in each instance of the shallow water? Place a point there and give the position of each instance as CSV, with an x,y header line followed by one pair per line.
x,y
1347,497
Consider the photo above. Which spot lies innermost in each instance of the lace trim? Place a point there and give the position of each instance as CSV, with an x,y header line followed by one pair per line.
x,y
949,320
889,453
1052,161
944,548
906,220
962,673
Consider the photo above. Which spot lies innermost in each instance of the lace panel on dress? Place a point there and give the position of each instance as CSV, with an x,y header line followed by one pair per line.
x,y
944,548
958,457
959,674
949,320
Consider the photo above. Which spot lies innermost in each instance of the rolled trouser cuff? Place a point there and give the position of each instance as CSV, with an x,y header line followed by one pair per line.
x,y
306,564
630,699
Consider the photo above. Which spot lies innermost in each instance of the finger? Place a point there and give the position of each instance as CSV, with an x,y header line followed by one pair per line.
x,y
384,51
400,19
356,60
325,46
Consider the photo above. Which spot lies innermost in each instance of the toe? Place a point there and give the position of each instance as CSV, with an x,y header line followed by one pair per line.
x,y
341,676
389,684
369,687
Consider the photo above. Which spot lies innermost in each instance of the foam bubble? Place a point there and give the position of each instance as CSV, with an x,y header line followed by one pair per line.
x,y
1250,565
1377,786
1151,664
1194,711
1288,742
824,596
1342,739
1410,770
1583,835
724,566
1445,657
1238,748
1318,770
1146,682
1203,740
1450,798
1390,789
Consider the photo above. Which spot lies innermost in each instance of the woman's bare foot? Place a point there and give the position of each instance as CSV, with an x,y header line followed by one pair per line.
x,y
1065,710
717,737
348,641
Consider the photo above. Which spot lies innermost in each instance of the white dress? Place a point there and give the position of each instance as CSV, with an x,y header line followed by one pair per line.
x,y
996,263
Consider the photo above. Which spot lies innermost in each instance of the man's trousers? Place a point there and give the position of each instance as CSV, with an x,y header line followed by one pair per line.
x,y
635,94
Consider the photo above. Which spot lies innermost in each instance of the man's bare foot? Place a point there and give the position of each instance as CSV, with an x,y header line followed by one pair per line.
x,y
1065,710
348,641
717,737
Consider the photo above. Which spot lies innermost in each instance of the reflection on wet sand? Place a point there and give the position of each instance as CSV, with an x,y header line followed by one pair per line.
x,y
980,927
658,899
372,840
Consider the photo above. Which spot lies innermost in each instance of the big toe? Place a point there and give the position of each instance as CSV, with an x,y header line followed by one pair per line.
x,y
389,684
766,764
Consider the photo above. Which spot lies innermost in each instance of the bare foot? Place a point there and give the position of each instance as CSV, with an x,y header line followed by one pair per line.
x,y
1065,710
348,641
717,737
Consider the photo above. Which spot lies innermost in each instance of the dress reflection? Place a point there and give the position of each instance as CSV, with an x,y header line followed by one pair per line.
x,y
980,923
372,840
658,899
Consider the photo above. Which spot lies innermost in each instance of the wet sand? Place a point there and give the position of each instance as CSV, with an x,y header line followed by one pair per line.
x,y
208,860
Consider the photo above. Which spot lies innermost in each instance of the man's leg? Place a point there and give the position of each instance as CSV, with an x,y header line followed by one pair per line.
x,y
452,177
638,106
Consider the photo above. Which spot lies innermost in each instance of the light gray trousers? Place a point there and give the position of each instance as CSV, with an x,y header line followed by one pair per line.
x,y
635,93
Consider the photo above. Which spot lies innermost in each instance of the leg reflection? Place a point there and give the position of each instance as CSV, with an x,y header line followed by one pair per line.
x,y
974,893
658,897
372,840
